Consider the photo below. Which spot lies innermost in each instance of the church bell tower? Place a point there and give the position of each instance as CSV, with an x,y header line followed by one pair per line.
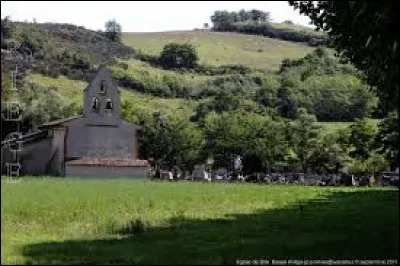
x,y
102,100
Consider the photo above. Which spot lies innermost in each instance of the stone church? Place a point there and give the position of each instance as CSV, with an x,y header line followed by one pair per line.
x,y
96,144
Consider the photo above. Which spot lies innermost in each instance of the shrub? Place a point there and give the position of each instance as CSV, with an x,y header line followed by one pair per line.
x,y
179,56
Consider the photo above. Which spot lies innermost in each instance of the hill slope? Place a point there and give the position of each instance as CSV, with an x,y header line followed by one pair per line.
x,y
223,48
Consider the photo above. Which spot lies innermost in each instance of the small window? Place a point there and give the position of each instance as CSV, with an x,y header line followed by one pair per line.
x,y
109,105
102,88
95,104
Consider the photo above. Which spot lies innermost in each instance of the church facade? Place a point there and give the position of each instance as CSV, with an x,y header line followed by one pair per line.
x,y
97,143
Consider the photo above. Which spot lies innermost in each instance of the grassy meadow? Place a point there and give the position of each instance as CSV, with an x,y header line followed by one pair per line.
x,y
223,48
73,221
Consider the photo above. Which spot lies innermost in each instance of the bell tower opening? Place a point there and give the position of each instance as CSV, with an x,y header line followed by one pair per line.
x,y
103,90
109,105
102,100
95,104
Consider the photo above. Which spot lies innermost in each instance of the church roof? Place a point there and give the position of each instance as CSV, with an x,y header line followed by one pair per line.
x,y
60,121
109,162
105,72
30,137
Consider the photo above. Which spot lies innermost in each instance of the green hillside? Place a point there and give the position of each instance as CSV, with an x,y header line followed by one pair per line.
x,y
72,91
223,48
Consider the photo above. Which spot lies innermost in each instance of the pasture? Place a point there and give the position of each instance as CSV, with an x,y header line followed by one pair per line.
x,y
223,48
119,221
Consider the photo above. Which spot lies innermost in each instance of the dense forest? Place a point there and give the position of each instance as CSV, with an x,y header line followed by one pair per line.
x,y
269,119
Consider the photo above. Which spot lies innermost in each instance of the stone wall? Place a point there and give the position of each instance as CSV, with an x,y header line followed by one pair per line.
x,y
34,157
100,141
105,171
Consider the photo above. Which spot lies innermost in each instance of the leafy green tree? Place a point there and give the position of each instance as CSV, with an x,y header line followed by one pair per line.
x,y
259,16
244,15
222,20
325,87
266,141
286,103
361,139
330,154
225,137
337,98
374,164
170,142
387,139
187,142
253,137
304,133
155,139
113,30
267,96
176,55
371,47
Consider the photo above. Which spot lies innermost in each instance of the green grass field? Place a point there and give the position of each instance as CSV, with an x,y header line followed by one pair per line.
x,y
222,48
71,221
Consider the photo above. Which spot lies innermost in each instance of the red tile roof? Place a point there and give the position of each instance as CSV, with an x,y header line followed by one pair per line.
x,y
109,162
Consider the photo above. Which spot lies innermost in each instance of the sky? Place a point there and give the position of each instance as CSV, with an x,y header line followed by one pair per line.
x,y
141,16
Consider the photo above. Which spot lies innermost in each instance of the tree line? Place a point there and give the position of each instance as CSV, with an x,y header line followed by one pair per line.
x,y
268,144
257,22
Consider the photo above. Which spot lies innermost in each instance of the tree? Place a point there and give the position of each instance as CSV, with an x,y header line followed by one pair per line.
x,y
244,15
362,134
176,55
364,33
170,142
187,143
266,141
286,103
304,133
259,16
387,139
374,164
330,154
7,28
222,20
206,26
255,138
228,136
155,139
113,30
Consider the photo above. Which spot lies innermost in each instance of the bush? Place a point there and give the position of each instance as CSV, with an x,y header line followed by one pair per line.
x,y
178,56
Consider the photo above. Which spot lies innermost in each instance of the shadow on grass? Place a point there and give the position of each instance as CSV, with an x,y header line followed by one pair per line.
x,y
346,225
